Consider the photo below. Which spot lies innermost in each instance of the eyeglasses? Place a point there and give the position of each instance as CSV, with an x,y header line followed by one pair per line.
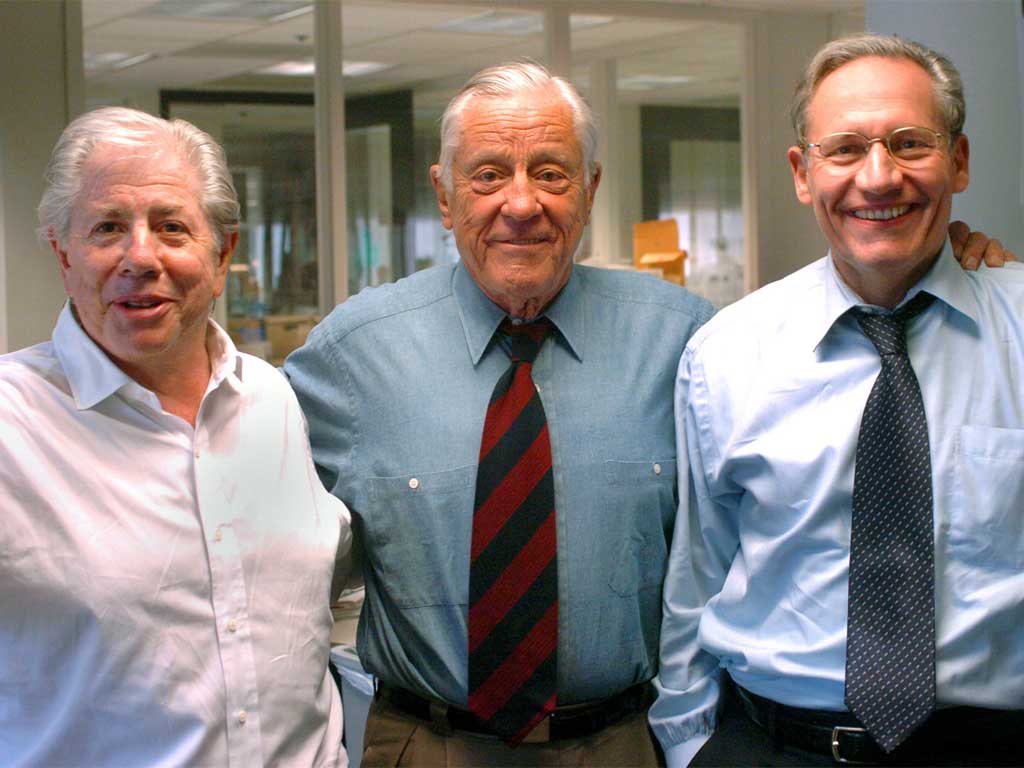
x,y
910,147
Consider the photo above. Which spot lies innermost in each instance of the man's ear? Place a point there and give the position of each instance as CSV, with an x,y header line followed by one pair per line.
x,y
62,260
227,249
595,181
61,254
442,196
961,155
798,164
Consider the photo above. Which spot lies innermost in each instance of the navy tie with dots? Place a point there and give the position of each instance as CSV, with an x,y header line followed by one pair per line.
x,y
513,574
890,654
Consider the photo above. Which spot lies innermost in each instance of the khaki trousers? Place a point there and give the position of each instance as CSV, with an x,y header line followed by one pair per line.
x,y
394,738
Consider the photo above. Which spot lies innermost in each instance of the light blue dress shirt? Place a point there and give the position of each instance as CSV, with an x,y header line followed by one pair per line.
x,y
769,401
395,384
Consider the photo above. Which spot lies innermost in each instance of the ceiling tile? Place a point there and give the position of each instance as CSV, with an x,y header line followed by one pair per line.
x,y
96,12
195,31
365,22
133,44
179,71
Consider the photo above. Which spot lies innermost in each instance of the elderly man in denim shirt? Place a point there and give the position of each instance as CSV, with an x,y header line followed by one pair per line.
x,y
396,383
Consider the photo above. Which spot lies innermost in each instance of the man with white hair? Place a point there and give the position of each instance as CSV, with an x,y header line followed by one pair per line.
x,y
167,549
548,640
849,547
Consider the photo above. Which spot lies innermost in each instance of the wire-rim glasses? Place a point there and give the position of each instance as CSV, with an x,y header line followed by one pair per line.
x,y
911,147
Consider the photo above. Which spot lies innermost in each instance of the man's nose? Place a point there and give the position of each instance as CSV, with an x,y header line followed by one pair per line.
x,y
140,251
521,201
879,172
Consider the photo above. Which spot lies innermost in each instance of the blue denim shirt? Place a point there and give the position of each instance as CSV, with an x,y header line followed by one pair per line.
x,y
395,383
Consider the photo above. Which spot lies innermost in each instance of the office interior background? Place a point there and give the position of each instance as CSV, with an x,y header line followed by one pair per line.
x,y
329,112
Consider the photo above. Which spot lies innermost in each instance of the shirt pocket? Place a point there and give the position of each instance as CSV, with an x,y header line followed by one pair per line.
x,y
987,519
421,524
640,496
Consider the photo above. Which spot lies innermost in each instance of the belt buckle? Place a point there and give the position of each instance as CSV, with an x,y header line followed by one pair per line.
x,y
837,731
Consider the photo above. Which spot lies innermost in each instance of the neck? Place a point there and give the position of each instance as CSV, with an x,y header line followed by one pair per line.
x,y
180,389
179,381
883,288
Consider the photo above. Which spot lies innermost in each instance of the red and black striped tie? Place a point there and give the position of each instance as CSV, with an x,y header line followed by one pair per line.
x,y
513,576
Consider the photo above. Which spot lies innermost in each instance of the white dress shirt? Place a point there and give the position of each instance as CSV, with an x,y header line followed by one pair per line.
x,y
769,403
164,590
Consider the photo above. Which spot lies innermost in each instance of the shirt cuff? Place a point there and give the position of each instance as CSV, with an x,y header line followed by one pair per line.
x,y
680,755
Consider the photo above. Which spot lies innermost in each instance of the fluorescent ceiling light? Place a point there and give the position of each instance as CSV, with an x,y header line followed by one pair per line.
x,y
273,10
307,68
142,57
94,62
515,24
360,68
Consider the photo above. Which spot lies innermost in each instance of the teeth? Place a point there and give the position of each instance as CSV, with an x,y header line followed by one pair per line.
x,y
882,215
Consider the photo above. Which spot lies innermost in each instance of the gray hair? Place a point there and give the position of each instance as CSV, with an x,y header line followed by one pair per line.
x,y
946,83
514,79
124,127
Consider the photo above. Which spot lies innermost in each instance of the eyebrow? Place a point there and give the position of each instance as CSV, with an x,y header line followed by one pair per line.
x,y
117,212
544,155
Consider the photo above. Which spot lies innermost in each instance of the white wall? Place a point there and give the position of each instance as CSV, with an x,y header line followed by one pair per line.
x,y
40,88
781,235
983,39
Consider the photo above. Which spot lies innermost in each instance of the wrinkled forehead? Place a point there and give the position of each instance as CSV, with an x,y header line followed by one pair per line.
x,y
154,169
871,84
524,124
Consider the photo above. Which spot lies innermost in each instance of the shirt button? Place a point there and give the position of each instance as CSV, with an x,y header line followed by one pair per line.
x,y
657,469
196,453
414,483
232,625
218,535
243,716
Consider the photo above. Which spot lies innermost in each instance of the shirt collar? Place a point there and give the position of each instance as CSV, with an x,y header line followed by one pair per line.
x,y
946,280
93,376
226,365
481,317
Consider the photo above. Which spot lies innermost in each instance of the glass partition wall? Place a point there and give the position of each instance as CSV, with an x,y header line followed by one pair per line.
x,y
271,299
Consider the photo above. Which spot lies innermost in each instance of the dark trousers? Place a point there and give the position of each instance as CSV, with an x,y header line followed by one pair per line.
x,y
739,741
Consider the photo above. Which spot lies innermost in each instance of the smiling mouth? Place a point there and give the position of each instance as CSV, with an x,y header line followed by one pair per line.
x,y
525,241
145,304
882,214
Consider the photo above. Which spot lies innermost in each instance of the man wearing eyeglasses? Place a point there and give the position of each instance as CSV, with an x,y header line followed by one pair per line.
x,y
849,547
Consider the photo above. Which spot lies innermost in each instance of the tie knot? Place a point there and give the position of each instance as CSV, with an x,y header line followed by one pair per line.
x,y
889,332
523,341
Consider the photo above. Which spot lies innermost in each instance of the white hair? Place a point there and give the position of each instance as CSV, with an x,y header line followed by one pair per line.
x,y
124,127
509,80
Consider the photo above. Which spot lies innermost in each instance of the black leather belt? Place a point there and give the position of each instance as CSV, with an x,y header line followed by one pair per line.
x,y
566,722
983,732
